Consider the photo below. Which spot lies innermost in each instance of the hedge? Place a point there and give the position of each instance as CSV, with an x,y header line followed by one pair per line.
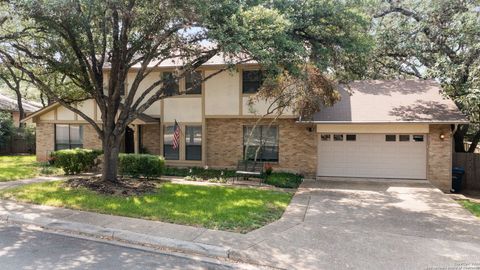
x,y
284,179
136,165
74,161
198,172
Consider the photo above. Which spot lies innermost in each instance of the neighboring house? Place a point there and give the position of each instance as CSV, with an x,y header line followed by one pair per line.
x,y
10,105
380,129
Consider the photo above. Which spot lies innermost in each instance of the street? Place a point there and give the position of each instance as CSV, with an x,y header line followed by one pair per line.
x,y
22,248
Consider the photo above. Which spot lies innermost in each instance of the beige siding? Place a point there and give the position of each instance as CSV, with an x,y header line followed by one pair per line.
x,y
88,108
183,109
222,93
154,109
50,115
65,114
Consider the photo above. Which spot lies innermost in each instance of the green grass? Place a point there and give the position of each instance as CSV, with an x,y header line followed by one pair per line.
x,y
223,208
17,167
471,206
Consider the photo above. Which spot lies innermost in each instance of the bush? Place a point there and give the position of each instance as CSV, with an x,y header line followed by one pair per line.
x,y
74,161
195,173
136,165
284,180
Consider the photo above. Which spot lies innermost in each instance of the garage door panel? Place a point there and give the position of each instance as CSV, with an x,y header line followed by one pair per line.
x,y
371,156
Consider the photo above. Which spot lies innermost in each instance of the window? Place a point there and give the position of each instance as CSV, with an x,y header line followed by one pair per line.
x,y
193,143
325,137
251,81
193,83
263,139
171,84
351,137
417,138
390,138
68,136
168,152
404,138
338,137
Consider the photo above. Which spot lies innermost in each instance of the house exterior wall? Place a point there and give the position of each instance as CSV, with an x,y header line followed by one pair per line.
x,y
45,140
90,138
151,139
297,145
439,155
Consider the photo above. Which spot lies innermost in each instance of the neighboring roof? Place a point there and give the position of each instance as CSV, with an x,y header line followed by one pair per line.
x,y
10,104
404,101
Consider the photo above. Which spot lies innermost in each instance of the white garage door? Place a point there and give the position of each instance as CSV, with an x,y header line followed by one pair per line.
x,y
372,155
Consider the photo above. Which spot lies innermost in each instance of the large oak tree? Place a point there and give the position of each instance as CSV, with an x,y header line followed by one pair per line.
x,y
433,39
69,43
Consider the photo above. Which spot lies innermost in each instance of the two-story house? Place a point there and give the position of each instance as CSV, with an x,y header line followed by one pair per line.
x,y
380,129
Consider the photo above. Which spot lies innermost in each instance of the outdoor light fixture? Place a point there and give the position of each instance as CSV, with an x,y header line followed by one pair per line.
x,y
442,136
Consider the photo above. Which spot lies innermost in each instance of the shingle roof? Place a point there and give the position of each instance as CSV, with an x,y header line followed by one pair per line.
x,y
10,104
391,101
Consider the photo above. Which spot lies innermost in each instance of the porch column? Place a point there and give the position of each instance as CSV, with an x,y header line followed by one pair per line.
x,y
136,139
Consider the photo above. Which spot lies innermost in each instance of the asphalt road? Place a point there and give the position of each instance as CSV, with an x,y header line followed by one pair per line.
x,y
22,248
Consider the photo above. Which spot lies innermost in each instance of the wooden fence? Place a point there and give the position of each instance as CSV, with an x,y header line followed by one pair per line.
x,y
471,163
17,145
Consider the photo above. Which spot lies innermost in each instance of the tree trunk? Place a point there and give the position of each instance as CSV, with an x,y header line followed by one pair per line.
x,y
20,107
459,137
111,149
475,140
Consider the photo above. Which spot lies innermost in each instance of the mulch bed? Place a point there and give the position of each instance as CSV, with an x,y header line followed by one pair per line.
x,y
124,186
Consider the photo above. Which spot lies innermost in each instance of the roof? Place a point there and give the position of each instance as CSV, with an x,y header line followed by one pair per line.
x,y
403,101
10,104
219,59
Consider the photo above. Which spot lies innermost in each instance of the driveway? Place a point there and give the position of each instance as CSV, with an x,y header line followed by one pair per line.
x,y
372,225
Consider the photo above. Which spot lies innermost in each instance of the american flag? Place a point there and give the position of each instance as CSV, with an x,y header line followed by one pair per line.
x,y
176,135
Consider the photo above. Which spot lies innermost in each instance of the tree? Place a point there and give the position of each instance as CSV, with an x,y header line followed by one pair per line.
x,y
433,39
68,43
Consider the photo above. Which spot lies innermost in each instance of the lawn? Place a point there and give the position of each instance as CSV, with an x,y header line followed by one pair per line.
x,y
471,206
17,167
213,207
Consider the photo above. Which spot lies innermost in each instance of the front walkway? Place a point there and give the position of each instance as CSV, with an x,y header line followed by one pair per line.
x,y
328,225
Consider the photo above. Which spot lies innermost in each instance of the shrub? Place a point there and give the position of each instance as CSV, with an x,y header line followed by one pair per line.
x,y
74,161
195,173
136,165
284,179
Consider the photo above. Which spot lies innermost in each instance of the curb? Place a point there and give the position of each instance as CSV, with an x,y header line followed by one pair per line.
x,y
120,235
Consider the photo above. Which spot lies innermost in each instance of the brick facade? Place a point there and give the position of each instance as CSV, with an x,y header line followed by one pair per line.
x,y
439,157
90,138
151,139
45,139
297,145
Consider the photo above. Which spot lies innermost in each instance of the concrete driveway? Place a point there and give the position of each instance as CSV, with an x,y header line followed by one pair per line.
x,y
372,225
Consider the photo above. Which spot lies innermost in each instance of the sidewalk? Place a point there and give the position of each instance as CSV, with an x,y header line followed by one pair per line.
x,y
155,234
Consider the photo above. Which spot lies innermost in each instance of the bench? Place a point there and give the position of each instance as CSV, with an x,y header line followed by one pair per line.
x,y
249,168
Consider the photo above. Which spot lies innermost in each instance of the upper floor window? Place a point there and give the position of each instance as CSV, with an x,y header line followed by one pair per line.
x,y
68,136
171,84
262,142
251,81
193,82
